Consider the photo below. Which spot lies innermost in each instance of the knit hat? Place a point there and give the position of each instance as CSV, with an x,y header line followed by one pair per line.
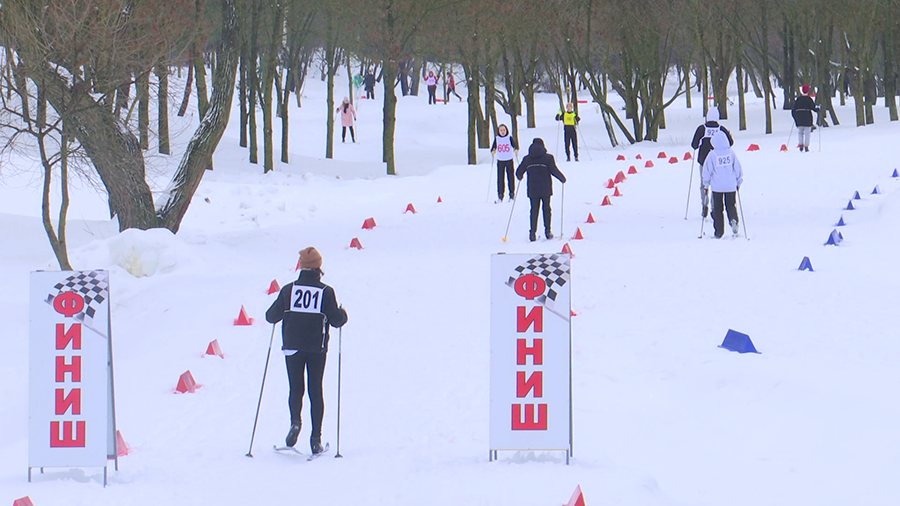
x,y
310,258
712,115
804,89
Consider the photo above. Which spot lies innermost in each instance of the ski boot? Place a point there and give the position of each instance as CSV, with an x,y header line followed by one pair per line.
x,y
291,438
734,227
315,445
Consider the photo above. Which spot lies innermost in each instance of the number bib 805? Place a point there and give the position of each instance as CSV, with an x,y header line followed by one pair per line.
x,y
306,299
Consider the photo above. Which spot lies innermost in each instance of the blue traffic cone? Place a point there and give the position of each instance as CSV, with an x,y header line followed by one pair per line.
x,y
876,190
856,196
738,341
805,265
849,206
840,222
834,239
895,174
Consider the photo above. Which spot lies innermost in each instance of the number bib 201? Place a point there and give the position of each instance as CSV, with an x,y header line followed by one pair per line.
x,y
306,299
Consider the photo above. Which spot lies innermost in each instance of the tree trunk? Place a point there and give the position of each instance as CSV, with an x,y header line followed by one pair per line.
x,y
200,78
143,98
742,110
389,78
57,241
242,98
188,85
162,108
330,69
471,71
203,143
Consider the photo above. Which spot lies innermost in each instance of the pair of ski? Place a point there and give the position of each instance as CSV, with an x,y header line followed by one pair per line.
x,y
290,450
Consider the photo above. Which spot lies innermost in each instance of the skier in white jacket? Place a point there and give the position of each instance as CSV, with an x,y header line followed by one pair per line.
x,y
722,172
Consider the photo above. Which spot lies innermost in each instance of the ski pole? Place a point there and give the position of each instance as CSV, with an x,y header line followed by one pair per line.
x,y
690,185
584,142
340,344
741,207
261,388
702,222
789,135
515,199
556,153
562,213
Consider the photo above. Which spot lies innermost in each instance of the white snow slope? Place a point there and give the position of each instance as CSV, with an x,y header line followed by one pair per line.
x,y
662,415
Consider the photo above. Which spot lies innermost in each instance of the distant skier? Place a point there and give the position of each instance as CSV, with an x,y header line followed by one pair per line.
x,y
504,149
431,81
348,116
307,307
802,111
702,137
570,134
722,172
369,83
451,86
539,165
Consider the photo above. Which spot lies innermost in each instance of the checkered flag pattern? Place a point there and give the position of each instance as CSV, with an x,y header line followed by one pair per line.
x,y
554,269
93,286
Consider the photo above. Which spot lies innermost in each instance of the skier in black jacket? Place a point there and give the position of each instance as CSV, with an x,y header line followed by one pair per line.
x,y
701,141
369,84
539,165
802,111
306,309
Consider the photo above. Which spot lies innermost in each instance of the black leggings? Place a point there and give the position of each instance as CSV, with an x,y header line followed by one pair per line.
x,y
718,204
344,134
432,99
506,167
370,93
539,204
570,137
452,90
314,365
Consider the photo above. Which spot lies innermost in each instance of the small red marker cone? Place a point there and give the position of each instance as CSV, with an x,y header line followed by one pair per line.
x,y
243,319
639,157
273,287
753,147
439,199
567,250
590,218
186,383
674,159
687,156
410,209
649,164
578,235
23,501
610,184
354,243
662,154
215,349
617,193
122,448
574,313
632,170
577,498
606,201
784,147
369,224
621,177
620,157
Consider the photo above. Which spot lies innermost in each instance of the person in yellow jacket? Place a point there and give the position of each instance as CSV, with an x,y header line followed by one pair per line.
x,y
570,120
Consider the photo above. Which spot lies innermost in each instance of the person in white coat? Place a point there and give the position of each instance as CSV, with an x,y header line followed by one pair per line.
x,y
723,174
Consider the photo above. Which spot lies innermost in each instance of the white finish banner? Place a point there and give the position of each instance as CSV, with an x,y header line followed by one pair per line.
x,y
69,376
530,407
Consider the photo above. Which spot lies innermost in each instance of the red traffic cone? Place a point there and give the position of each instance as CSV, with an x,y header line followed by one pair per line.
x,y
620,157
369,224
410,209
753,147
574,313
661,155
632,170
215,349
122,448
439,199
577,498
610,184
617,193
687,156
243,319
186,383
354,243
606,201
639,157
649,164
273,287
784,147
674,159
590,218
578,235
621,177
567,250
23,501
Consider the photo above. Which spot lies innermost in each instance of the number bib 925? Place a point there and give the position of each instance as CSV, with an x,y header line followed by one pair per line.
x,y
306,299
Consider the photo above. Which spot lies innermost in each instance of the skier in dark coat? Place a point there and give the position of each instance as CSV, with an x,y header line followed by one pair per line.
x,y
369,83
306,309
802,111
539,165
702,137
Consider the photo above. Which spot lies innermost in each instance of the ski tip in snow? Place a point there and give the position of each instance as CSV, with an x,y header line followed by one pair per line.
x,y
314,456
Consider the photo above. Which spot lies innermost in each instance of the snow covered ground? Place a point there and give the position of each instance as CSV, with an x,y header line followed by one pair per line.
x,y
662,416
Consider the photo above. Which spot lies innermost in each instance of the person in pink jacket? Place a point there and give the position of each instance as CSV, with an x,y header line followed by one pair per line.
x,y
348,116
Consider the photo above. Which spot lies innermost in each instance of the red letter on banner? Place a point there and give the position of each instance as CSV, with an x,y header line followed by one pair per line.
x,y
73,336
62,368
535,382
535,316
67,439
530,286
68,304
529,423
73,400
536,352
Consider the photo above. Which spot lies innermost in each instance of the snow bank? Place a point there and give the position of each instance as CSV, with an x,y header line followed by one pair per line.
x,y
145,252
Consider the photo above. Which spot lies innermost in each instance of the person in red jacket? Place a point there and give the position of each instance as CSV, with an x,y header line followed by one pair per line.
x,y
306,308
451,86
